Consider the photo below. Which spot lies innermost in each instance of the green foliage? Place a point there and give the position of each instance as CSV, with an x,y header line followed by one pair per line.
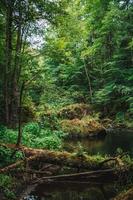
x,y
85,55
80,152
31,128
45,139
48,142
42,137
102,42
119,151
7,135
120,117
34,135
5,156
49,120
6,184
128,159
5,181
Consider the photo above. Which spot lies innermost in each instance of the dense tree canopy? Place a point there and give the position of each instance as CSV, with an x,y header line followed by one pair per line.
x,y
84,54
66,72
91,50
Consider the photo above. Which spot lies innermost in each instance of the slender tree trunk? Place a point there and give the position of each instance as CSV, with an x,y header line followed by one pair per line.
x,y
8,58
89,81
15,89
20,116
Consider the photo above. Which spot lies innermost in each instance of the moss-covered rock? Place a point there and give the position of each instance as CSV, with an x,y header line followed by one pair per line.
x,y
82,128
75,111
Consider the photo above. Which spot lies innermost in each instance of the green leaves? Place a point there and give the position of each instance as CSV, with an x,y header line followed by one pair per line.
x,y
32,128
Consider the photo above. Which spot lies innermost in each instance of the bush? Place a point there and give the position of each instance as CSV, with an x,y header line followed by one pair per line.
x,y
5,156
5,181
49,142
6,184
48,139
32,128
7,135
33,136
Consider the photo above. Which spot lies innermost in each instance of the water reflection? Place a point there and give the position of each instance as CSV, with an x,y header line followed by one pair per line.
x,y
64,191
108,145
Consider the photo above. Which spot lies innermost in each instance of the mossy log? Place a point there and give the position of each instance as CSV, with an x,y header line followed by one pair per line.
x,y
56,157
125,195
62,158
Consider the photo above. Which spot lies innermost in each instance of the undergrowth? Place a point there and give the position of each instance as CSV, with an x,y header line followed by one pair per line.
x,y
6,186
34,136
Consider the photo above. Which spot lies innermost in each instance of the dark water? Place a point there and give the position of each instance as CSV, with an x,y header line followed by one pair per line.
x,y
66,191
112,143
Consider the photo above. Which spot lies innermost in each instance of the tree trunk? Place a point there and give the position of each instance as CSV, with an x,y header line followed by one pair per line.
x,y
66,158
20,116
89,82
8,53
15,87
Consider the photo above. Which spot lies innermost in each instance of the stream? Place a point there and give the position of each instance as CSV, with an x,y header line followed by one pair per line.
x,y
65,191
114,140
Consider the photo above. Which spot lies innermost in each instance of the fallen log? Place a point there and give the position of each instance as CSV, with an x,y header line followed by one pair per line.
x,y
73,160
82,177
98,170
60,158
128,195
15,165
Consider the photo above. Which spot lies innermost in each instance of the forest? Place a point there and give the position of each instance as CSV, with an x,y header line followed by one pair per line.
x,y
66,96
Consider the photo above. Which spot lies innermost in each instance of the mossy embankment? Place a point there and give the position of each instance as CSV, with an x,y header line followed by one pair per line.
x,y
80,120
82,128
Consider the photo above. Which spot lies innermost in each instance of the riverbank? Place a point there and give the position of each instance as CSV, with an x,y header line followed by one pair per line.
x,y
37,171
51,129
